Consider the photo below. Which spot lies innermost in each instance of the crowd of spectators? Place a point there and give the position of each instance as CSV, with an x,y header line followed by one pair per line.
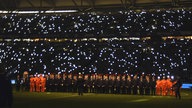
x,y
111,56
131,23
168,57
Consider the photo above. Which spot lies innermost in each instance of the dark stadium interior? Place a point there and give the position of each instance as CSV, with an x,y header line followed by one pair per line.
x,y
86,5
95,53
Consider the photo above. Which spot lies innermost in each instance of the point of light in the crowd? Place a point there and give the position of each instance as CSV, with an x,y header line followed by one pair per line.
x,y
131,75
172,77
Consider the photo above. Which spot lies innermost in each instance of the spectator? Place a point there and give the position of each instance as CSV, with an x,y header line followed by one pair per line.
x,y
6,96
177,86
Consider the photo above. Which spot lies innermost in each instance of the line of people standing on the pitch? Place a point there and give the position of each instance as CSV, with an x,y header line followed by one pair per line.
x,y
22,84
98,83
33,83
102,84
165,87
37,83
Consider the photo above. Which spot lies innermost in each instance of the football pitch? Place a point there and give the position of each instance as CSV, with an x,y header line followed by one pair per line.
x,y
88,100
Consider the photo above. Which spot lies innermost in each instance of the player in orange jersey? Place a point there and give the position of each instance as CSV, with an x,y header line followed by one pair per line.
x,y
42,83
169,86
37,84
158,86
164,86
32,83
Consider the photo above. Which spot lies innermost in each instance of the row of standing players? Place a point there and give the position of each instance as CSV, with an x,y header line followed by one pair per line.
x,y
115,84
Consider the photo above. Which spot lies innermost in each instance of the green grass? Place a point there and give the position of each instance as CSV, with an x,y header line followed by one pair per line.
x,y
72,100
